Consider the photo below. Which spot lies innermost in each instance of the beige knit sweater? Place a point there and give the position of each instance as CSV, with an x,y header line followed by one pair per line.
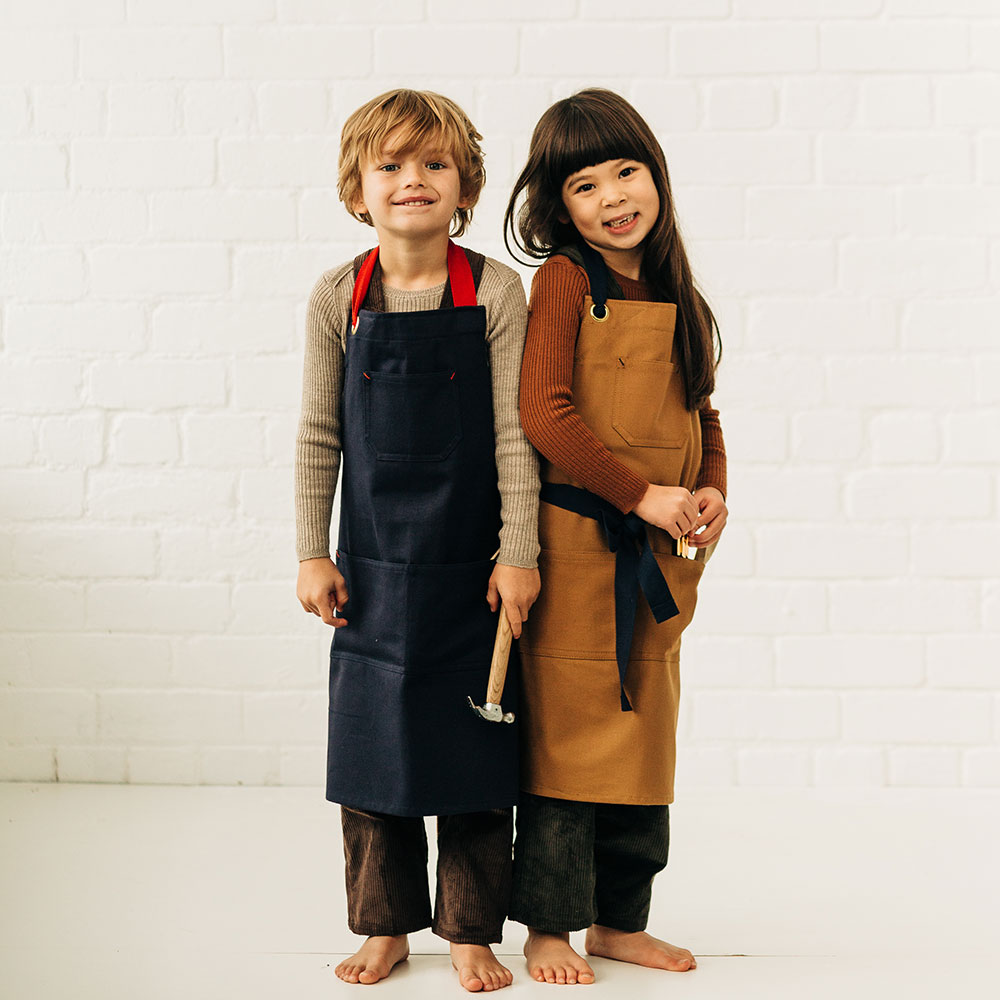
x,y
317,452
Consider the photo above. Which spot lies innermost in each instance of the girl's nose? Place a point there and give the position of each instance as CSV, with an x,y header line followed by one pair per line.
x,y
613,196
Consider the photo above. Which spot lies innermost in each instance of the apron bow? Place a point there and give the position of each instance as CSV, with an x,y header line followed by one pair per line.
x,y
635,566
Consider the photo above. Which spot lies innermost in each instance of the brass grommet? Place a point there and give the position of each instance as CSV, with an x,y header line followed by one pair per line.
x,y
600,319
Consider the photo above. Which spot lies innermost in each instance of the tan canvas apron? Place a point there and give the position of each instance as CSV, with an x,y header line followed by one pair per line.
x,y
577,742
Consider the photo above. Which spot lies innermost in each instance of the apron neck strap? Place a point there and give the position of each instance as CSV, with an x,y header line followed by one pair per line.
x,y
597,275
463,286
361,286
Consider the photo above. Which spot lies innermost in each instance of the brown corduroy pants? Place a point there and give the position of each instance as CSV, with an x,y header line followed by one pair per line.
x,y
583,863
386,867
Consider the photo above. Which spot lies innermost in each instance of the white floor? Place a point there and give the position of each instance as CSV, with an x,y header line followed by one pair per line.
x,y
150,893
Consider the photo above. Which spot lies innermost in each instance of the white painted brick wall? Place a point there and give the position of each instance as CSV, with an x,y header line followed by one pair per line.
x,y
168,198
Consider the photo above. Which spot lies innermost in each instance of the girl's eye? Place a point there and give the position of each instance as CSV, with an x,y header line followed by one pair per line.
x,y
625,171
584,187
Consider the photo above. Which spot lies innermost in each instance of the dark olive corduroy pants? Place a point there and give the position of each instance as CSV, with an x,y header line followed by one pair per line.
x,y
386,864
583,863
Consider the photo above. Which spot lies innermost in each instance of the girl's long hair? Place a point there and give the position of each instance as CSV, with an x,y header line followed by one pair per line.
x,y
592,127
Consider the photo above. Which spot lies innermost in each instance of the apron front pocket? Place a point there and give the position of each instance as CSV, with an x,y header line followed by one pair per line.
x,y
417,617
575,611
412,418
652,639
648,402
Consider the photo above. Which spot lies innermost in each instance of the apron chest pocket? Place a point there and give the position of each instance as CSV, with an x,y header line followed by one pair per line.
x,y
648,407
412,418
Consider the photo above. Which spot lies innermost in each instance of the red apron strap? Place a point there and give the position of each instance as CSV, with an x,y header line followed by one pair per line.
x,y
361,286
463,288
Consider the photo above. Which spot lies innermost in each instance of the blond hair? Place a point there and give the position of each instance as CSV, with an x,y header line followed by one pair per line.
x,y
421,118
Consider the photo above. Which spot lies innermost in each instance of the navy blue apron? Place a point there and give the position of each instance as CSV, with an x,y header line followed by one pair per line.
x,y
419,524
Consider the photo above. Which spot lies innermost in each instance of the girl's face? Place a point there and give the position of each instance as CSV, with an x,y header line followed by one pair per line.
x,y
614,206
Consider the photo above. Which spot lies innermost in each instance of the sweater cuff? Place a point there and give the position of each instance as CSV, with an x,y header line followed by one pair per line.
x,y
632,491
305,554
519,548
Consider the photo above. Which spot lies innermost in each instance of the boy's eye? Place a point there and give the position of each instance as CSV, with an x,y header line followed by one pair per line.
x,y
389,167
436,165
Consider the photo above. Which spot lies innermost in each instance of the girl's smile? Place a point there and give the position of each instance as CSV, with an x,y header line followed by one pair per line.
x,y
614,206
623,224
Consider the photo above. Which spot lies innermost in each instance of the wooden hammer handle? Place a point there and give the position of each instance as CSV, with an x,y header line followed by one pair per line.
x,y
498,666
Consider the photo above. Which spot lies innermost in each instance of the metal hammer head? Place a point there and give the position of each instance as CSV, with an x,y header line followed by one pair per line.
x,y
491,712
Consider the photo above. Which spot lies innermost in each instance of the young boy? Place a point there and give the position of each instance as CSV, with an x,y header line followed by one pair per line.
x,y
412,364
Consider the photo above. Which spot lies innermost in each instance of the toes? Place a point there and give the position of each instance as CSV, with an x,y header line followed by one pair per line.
x,y
349,973
471,981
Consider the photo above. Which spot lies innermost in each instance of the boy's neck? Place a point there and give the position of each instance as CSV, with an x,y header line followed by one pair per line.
x,y
411,265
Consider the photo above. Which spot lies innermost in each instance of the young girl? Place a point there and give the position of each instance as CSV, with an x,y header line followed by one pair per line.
x,y
618,367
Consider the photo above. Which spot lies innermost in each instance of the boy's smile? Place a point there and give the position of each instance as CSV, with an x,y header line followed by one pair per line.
x,y
613,205
411,193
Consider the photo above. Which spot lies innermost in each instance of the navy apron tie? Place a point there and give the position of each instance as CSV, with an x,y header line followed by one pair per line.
x,y
635,566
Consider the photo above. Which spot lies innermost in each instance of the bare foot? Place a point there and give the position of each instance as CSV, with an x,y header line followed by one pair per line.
x,y
640,949
552,960
374,960
478,968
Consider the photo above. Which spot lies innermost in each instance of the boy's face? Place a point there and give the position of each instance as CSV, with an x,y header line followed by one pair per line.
x,y
410,194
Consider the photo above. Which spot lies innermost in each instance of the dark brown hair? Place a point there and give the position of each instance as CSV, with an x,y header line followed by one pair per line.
x,y
589,128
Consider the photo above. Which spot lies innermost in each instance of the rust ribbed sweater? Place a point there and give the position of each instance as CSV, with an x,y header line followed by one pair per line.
x,y
547,413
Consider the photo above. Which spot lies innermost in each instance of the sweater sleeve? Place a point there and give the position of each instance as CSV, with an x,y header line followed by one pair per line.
x,y
547,412
517,463
713,450
318,444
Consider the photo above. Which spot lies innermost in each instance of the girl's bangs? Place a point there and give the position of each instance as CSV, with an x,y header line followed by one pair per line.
x,y
581,140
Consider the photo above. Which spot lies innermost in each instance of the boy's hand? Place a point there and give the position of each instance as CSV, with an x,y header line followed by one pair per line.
x,y
671,508
713,513
518,589
322,590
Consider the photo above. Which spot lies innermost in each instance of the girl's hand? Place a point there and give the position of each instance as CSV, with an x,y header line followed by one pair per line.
x,y
671,508
712,512
518,589
322,590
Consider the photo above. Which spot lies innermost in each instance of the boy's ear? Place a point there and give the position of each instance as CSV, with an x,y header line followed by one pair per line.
x,y
359,205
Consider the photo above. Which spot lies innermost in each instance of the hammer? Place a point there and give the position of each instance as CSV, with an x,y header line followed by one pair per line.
x,y
492,711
